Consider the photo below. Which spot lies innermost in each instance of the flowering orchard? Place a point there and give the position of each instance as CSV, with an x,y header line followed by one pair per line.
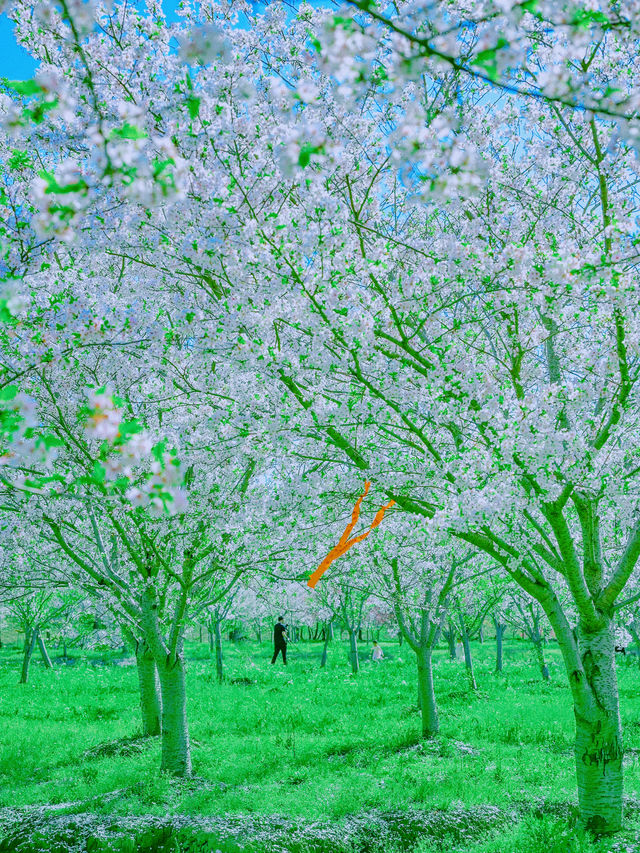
x,y
252,260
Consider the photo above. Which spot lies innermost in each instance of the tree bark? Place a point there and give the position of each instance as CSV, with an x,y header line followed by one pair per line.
x,y
150,702
499,637
44,653
325,647
598,743
635,633
176,751
450,636
468,661
353,652
30,639
218,639
542,664
426,694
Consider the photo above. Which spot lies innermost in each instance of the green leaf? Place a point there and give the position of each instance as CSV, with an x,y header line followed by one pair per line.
x,y
49,440
487,59
584,18
24,87
37,113
8,393
60,189
19,160
158,450
128,131
160,165
128,428
99,473
193,105
305,153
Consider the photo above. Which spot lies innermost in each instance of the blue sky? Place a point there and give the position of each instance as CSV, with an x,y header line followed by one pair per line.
x,y
15,62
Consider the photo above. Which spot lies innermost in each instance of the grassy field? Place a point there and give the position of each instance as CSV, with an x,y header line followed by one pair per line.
x,y
312,745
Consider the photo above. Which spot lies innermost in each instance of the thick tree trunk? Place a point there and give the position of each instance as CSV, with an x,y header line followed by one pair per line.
x,y
426,694
176,752
44,653
30,640
331,634
598,744
150,702
218,639
499,637
353,652
468,661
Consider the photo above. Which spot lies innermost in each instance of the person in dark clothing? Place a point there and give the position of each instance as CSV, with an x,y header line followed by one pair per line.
x,y
280,641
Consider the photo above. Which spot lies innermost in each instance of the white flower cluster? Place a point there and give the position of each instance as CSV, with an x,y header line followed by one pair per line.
x,y
158,488
204,44
23,448
60,200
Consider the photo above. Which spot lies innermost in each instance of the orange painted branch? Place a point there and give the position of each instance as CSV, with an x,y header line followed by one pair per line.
x,y
345,543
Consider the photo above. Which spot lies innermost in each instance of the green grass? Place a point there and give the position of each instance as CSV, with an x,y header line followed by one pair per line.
x,y
308,743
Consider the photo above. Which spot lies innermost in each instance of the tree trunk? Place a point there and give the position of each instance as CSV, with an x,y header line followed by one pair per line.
x,y
353,652
426,694
218,638
450,636
259,632
636,640
44,653
150,703
468,661
30,639
481,633
331,635
598,744
499,636
542,664
400,638
323,659
200,627
176,752
211,641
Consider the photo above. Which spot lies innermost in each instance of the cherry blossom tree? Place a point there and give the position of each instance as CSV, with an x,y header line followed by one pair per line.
x,y
422,277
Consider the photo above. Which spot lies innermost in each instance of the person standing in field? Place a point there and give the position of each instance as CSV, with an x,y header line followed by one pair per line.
x,y
376,653
280,640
